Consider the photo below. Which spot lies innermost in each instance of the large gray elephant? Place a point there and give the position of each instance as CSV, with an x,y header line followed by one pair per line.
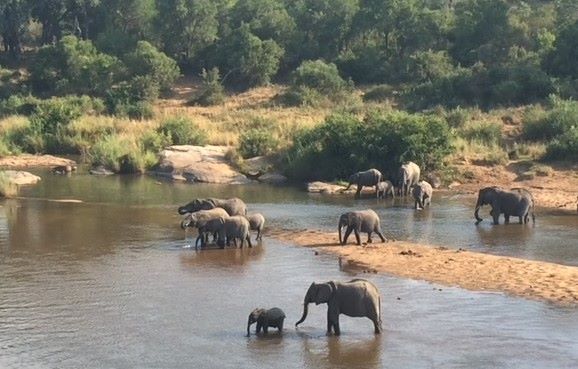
x,y
517,202
422,193
232,229
205,222
256,223
233,206
266,318
407,176
527,193
369,178
359,221
356,298
385,188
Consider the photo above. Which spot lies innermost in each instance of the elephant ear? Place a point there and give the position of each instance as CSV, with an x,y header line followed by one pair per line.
x,y
324,292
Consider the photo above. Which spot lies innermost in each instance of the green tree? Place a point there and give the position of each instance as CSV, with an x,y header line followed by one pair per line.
x,y
14,15
147,61
562,60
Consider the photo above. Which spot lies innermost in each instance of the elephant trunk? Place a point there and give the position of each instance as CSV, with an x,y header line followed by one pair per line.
x,y
249,326
476,212
304,316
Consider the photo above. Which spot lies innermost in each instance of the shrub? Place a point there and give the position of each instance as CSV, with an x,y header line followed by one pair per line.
x,y
459,116
182,131
379,93
546,125
121,155
7,187
133,99
485,132
564,147
154,141
146,61
257,142
343,144
212,92
52,115
18,105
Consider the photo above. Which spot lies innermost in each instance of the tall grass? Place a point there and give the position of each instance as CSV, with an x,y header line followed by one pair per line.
x,y
7,187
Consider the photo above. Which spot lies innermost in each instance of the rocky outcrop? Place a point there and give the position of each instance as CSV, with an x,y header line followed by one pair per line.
x,y
205,164
21,178
327,188
27,160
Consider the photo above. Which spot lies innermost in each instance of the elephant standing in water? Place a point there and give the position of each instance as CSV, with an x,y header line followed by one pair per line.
x,y
256,223
359,221
408,176
206,221
233,228
518,202
266,318
356,298
369,178
422,193
233,206
385,188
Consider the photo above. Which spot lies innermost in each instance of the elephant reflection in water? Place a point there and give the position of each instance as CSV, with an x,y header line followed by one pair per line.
x,y
496,236
226,258
333,352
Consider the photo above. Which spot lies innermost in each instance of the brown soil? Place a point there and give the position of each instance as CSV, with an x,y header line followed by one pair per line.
x,y
26,160
473,271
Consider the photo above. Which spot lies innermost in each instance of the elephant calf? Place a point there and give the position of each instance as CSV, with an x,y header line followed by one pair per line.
x,y
359,221
266,318
206,221
256,223
385,188
422,193
233,228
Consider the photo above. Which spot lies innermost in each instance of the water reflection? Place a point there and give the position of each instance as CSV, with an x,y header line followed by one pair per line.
x,y
342,352
215,258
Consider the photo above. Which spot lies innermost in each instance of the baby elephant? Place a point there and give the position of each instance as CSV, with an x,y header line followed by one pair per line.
x,y
256,223
422,193
266,318
233,228
385,189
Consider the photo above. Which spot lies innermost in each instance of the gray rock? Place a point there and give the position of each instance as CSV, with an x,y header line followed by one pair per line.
x,y
21,178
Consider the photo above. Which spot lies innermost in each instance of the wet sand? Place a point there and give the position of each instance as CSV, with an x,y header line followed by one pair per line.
x,y
470,270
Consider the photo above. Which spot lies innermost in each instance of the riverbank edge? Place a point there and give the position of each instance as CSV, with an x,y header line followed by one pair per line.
x,y
474,271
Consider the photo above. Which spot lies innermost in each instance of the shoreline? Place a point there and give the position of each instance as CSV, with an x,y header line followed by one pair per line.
x,y
474,271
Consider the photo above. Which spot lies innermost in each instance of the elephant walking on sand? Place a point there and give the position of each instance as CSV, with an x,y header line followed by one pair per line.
x,y
517,202
368,178
356,298
422,193
233,206
408,176
366,221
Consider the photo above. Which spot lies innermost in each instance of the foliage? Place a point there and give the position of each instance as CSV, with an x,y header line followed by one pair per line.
x,y
379,93
257,142
542,125
182,131
485,132
121,155
152,66
7,187
213,92
343,144
564,147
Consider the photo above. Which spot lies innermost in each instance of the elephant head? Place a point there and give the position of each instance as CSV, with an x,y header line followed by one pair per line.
x,y
485,196
319,293
187,222
253,317
344,221
353,179
196,205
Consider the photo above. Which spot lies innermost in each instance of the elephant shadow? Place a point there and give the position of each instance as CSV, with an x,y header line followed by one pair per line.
x,y
343,352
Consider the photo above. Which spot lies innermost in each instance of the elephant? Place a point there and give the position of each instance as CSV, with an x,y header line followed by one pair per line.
x,y
527,193
422,193
233,206
359,221
369,177
385,188
266,318
233,228
517,202
203,220
408,176
356,298
256,223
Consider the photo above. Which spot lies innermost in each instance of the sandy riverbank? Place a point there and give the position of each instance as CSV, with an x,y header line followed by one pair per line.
x,y
470,270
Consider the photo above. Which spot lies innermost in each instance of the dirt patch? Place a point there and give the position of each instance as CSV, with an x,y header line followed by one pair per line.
x,y
27,160
470,270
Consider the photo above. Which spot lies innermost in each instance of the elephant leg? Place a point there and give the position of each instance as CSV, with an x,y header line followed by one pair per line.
x,y
496,217
506,218
280,326
376,191
358,193
380,235
376,325
266,328
336,327
368,237
258,235
347,233
357,237
249,241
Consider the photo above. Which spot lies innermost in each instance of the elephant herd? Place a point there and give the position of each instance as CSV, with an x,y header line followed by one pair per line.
x,y
227,220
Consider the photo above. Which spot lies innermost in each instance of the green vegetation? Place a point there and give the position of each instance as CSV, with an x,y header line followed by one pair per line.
x,y
344,143
7,188
182,131
257,142
213,92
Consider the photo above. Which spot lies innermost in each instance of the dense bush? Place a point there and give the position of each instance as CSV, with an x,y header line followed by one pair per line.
x,y
540,125
379,93
213,92
182,131
564,147
484,132
153,66
257,142
121,155
343,144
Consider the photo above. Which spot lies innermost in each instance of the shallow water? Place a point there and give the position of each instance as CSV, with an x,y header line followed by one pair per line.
x,y
111,283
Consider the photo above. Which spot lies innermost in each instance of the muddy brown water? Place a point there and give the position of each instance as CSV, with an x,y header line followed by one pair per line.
x,y
111,283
